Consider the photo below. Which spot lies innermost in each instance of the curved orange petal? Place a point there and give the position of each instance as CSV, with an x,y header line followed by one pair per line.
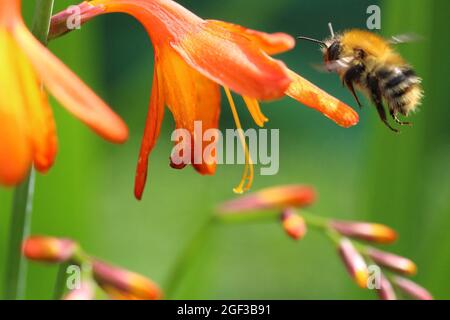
x,y
39,115
270,43
191,97
15,149
226,57
233,61
312,96
152,130
73,94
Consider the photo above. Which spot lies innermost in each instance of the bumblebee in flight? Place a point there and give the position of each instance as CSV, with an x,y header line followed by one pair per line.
x,y
367,62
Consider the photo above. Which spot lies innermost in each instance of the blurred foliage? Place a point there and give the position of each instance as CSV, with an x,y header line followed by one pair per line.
x,y
364,173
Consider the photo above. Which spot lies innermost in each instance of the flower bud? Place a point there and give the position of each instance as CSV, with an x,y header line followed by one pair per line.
x,y
293,224
272,198
365,231
48,249
386,291
412,289
72,18
123,284
392,261
85,292
354,262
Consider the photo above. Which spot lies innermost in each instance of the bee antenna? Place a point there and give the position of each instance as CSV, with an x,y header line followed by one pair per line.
x,y
312,40
330,26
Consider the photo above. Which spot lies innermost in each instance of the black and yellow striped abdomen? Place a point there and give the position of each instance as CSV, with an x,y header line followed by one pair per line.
x,y
400,87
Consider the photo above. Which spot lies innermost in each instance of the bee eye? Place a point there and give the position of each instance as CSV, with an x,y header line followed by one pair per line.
x,y
334,51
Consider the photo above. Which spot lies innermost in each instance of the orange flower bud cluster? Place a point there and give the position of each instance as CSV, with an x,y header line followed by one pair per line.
x,y
356,257
116,282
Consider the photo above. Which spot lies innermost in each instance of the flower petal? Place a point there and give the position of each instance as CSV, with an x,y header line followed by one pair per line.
x,y
310,95
194,101
255,111
15,149
233,61
152,129
226,57
270,43
39,115
73,94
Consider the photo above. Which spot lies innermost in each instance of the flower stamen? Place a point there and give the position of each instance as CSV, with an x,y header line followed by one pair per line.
x,y
248,174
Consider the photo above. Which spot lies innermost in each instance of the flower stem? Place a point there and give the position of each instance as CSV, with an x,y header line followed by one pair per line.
x,y
60,284
182,263
23,195
19,230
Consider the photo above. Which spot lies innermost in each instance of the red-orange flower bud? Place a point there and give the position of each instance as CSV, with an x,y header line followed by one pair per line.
x,y
386,291
85,292
412,289
272,198
123,284
365,231
293,224
392,261
354,262
48,249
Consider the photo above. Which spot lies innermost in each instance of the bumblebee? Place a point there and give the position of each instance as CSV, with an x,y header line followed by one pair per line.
x,y
367,62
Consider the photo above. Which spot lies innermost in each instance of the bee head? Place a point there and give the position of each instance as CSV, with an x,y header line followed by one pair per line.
x,y
331,48
332,51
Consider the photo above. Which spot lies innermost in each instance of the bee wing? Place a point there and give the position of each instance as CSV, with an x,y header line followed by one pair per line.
x,y
319,67
405,38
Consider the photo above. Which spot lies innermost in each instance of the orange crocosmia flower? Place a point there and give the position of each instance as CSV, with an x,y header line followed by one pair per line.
x,y
27,127
193,58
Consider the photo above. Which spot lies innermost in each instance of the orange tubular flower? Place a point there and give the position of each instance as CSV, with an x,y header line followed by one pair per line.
x,y
27,127
193,58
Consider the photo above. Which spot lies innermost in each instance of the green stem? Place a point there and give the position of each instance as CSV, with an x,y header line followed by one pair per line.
x,y
315,221
60,284
23,195
181,265
42,18
19,229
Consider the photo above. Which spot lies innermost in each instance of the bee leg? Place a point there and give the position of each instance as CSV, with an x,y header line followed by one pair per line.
x,y
396,119
352,90
352,75
382,114
376,99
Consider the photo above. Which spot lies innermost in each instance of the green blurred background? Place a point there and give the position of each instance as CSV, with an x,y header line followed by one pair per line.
x,y
363,173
